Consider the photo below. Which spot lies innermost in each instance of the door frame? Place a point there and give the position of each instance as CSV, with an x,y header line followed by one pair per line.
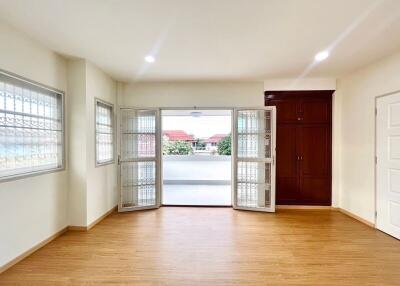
x,y
376,152
159,137
232,110
159,149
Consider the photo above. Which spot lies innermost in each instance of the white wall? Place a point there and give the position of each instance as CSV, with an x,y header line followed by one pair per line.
x,y
318,83
77,210
209,94
230,94
102,180
196,167
34,208
93,190
357,92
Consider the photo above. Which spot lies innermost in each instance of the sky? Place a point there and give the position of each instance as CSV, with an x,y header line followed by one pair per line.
x,y
200,127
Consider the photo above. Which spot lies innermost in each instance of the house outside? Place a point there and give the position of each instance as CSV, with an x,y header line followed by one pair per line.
x,y
212,142
178,135
199,146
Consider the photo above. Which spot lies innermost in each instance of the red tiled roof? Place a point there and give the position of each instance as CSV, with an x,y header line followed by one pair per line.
x,y
178,135
215,138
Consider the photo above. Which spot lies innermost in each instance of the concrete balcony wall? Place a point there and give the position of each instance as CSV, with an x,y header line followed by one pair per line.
x,y
197,170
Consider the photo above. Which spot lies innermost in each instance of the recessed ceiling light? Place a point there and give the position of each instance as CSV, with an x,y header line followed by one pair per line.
x,y
149,59
321,56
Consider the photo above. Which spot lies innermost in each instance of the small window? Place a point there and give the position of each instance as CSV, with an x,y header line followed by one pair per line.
x,y
104,133
31,128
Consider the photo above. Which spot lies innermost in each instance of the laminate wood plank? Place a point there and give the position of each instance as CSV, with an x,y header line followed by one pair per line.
x,y
215,246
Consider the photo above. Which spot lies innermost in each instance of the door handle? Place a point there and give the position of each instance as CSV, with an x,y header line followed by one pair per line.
x,y
298,158
301,158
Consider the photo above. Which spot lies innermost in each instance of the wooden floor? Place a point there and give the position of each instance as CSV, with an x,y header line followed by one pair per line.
x,y
216,246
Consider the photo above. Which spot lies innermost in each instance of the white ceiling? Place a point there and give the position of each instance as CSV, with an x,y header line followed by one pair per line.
x,y
212,39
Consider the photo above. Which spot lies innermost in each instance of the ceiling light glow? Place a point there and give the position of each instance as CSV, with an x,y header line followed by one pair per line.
x,y
149,59
321,56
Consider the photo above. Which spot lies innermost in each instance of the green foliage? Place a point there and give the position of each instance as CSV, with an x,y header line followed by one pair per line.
x,y
200,145
177,148
224,146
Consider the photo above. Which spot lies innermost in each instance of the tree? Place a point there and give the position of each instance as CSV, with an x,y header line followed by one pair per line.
x,y
224,146
177,148
200,145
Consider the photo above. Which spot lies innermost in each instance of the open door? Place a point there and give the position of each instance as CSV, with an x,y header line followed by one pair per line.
x,y
254,159
139,160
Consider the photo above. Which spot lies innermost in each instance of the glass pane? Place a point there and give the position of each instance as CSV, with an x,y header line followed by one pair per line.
x,y
254,145
254,133
138,121
138,146
138,184
104,133
31,131
254,184
138,134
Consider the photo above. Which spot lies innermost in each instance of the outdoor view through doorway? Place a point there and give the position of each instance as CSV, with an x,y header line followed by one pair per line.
x,y
196,161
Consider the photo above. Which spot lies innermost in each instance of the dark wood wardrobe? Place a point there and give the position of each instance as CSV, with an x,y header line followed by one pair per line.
x,y
303,146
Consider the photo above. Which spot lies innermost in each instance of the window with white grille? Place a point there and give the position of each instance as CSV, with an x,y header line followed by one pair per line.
x,y
31,128
104,133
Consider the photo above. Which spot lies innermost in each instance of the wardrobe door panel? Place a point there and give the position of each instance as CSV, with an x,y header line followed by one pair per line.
x,y
314,191
286,164
286,110
315,111
304,147
314,145
315,164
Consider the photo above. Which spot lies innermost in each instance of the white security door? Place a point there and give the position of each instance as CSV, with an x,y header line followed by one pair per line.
x,y
253,154
388,164
139,161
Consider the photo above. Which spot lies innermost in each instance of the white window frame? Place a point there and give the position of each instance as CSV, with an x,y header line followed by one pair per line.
x,y
36,85
111,161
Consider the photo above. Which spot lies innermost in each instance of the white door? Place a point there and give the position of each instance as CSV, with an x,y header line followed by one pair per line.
x,y
139,160
388,164
254,159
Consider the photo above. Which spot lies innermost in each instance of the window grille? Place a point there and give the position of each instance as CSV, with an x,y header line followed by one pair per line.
x,y
254,150
31,128
138,158
104,133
